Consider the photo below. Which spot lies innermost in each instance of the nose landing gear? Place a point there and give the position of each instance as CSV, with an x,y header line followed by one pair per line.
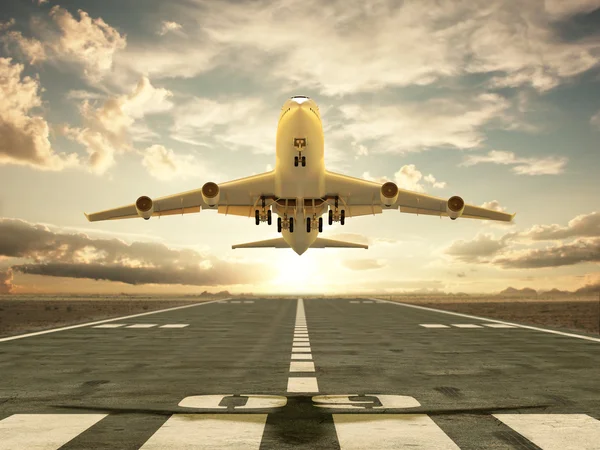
x,y
300,143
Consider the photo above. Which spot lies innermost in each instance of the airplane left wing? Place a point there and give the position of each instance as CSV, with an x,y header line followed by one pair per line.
x,y
362,197
238,197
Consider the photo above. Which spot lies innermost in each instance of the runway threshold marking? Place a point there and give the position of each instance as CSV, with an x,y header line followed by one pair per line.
x,y
301,351
98,322
485,319
43,431
209,431
556,431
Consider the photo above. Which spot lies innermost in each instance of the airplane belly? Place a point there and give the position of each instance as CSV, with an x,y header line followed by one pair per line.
x,y
303,128
300,240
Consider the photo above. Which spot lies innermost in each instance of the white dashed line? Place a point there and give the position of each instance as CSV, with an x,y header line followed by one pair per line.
x,y
499,325
175,325
248,301
354,301
556,431
210,431
301,356
301,344
302,366
110,325
390,431
433,325
300,339
43,431
301,350
466,325
142,325
367,301
302,384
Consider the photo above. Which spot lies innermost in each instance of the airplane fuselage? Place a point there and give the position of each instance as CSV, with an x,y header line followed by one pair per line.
x,y
300,170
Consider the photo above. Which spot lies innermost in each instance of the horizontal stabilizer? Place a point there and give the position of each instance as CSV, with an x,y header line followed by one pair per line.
x,y
269,243
327,243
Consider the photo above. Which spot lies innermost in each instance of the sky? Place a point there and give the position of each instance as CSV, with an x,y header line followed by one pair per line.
x,y
495,101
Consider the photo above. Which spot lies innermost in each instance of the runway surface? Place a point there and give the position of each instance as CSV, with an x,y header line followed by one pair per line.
x,y
314,374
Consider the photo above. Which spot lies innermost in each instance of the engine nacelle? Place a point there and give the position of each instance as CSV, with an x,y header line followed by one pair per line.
x,y
455,207
389,193
210,193
144,207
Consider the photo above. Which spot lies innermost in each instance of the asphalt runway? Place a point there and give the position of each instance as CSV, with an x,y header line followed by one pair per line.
x,y
315,374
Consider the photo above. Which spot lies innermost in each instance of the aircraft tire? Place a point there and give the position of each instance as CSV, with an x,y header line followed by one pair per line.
x,y
256,217
320,224
291,224
308,224
269,217
330,217
295,161
342,216
279,224
304,161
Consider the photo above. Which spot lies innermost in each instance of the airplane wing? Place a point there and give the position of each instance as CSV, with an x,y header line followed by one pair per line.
x,y
362,197
238,197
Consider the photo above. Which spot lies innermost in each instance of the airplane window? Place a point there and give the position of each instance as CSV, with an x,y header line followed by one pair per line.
x,y
299,96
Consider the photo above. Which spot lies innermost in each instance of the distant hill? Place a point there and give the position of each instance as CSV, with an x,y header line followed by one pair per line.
x,y
588,289
512,292
555,293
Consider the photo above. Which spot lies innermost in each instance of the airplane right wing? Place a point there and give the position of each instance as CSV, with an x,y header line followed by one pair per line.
x,y
362,197
237,197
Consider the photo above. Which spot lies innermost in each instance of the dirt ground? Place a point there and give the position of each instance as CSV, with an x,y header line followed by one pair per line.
x,y
26,315
572,315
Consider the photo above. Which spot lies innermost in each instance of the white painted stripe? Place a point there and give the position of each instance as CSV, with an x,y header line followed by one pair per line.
x,y
433,325
81,325
111,325
300,339
390,431
175,325
368,301
43,431
301,344
301,350
300,327
556,431
209,431
300,336
300,333
499,325
302,366
302,384
301,356
142,325
354,301
248,301
466,325
528,327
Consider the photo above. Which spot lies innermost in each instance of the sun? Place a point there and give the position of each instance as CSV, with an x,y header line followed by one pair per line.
x,y
297,273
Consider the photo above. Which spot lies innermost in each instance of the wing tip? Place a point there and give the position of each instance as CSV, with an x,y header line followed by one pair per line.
x,y
87,217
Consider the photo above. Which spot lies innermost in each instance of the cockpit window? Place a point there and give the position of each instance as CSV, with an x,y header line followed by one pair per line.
x,y
299,96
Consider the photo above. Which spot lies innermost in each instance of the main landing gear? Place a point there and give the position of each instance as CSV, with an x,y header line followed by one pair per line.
x,y
299,143
310,224
336,215
285,224
262,215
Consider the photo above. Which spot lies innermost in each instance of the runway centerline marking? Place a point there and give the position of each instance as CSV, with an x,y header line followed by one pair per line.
x,y
175,325
98,322
466,325
302,356
486,319
433,325
302,366
301,351
142,325
111,325
302,384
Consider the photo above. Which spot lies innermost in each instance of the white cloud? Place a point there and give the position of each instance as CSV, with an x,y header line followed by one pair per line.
x,y
29,49
91,43
409,178
24,134
110,128
478,249
550,165
495,205
167,26
584,225
165,164
595,120
559,9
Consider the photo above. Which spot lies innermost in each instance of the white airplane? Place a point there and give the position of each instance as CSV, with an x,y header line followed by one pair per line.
x,y
300,191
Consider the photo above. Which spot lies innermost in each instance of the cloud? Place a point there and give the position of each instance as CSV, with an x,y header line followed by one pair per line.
x,y
55,253
559,9
595,120
6,286
24,134
164,164
362,239
584,225
479,249
580,251
550,165
407,126
167,26
109,129
461,275
495,205
375,45
408,177
89,43
363,264
29,49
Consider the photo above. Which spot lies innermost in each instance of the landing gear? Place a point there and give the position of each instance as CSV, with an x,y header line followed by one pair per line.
x,y
295,161
330,217
257,217
304,161
291,225
343,216
269,217
336,215
308,227
263,214
320,224
285,224
279,224
299,143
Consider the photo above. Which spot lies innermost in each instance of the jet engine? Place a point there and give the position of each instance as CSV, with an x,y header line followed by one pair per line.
x,y
455,207
144,207
389,193
210,193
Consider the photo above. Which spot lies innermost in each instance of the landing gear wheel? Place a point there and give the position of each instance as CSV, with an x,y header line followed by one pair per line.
x,y
320,224
343,216
269,217
279,224
308,224
291,224
256,217
330,217
295,161
304,161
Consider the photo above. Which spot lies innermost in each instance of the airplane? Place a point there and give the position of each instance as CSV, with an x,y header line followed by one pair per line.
x,y
300,190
